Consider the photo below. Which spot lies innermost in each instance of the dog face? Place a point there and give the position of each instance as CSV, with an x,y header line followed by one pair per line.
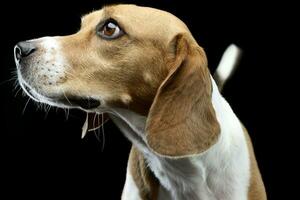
x,y
142,59
119,57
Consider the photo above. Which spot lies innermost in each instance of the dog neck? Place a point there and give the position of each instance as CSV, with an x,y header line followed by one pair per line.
x,y
194,177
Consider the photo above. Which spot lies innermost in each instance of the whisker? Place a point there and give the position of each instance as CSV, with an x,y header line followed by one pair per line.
x,y
103,133
37,107
100,130
47,109
95,116
66,98
66,110
18,91
16,84
96,133
7,81
25,106
68,113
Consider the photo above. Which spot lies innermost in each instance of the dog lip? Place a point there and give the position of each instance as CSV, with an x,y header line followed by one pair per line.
x,y
83,102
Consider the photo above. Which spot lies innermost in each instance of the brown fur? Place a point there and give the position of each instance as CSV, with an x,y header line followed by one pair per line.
x,y
145,180
182,120
108,69
172,60
157,69
256,188
148,184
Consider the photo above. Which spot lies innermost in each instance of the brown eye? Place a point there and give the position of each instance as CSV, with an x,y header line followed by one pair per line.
x,y
110,30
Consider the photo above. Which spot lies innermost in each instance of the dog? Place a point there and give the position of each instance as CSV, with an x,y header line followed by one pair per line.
x,y
142,68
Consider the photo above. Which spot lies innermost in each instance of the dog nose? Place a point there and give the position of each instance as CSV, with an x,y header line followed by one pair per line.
x,y
24,49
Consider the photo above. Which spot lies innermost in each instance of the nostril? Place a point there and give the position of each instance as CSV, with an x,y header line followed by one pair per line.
x,y
31,50
24,49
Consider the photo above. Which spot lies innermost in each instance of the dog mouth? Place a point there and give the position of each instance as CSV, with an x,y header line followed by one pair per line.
x,y
69,101
93,119
82,102
61,100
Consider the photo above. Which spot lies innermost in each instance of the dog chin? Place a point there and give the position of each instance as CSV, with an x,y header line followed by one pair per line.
x,y
62,101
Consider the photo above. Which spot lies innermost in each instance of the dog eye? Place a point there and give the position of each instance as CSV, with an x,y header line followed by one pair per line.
x,y
110,30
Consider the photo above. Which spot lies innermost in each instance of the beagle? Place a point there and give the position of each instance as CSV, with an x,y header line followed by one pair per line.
x,y
144,70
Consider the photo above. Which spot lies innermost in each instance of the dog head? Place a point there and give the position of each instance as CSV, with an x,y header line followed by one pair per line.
x,y
138,58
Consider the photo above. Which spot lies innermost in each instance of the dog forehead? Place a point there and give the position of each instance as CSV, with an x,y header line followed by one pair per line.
x,y
140,21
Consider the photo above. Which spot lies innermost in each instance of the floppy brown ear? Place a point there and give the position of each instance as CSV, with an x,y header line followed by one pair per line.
x,y
181,120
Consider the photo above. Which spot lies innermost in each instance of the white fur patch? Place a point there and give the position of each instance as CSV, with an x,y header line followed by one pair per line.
x,y
147,77
126,98
130,190
45,71
222,172
52,63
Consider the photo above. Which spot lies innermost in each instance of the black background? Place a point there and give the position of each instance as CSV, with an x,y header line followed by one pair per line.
x,y
42,154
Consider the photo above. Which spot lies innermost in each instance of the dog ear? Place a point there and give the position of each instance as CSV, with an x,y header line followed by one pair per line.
x,y
181,120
